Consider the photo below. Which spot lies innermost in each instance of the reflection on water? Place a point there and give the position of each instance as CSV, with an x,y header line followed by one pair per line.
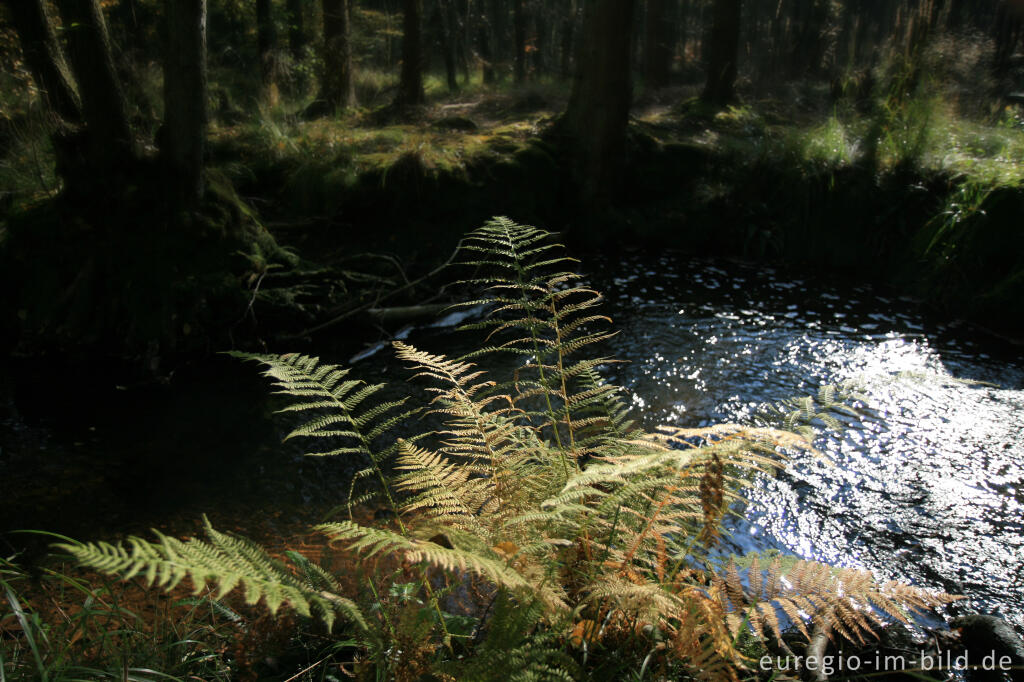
x,y
927,487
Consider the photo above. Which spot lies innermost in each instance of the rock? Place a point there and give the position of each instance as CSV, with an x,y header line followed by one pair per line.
x,y
987,637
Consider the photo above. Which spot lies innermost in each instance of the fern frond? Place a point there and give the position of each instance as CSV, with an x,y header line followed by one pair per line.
x,y
487,565
848,601
348,418
225,561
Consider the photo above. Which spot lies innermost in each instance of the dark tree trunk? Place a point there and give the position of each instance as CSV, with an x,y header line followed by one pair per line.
x,y
296,30
598,112
410,85
337,84
446,33
519,28
567,30
461,21
44,57
659,44
184,137
540,51
484,43
1009,26
725,42
104,108
266,36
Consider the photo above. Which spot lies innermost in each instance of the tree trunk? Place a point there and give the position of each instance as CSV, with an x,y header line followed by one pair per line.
x,y
598,112
184,136
45,58
265,39
410,86
104,108
519,27
659,44
725,42
486,51
1009,26
567,31
540,47
446,26
337,84
296,30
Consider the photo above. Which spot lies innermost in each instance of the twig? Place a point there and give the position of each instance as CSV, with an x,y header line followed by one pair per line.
x,y
377,300
303,672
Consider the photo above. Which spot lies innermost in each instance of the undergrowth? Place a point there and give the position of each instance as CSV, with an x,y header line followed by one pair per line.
x,y
537,533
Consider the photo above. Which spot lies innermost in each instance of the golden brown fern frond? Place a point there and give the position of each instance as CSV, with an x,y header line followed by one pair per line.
x,y
847,601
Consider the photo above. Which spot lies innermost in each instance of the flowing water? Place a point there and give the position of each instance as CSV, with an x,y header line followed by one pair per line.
x,y
926,486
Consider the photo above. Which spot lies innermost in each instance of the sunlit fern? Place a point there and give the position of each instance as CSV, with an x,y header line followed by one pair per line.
x,y
348,422
539,310
844,601
228,562
540,495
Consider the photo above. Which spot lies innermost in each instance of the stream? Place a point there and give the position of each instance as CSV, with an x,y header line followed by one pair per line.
x,y
926,486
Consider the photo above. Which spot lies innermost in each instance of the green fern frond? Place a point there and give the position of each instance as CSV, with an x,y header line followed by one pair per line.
x,y
225,561
351,416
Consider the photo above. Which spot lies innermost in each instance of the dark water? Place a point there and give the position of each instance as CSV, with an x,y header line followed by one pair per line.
x,y
926,487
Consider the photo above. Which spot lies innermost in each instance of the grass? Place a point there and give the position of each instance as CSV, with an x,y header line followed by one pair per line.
x,y
63,624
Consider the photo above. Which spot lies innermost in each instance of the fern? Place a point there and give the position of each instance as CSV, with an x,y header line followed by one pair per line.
x,y
539,501
538,312
847,601
224,560
346,412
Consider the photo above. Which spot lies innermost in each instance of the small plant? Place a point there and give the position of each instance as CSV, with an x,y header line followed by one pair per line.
x,y
538,533
60,625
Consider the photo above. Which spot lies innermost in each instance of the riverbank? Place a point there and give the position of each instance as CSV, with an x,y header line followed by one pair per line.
x,y
920,201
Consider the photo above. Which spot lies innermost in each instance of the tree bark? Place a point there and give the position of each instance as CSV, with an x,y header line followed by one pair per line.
x,y
104,108
659,44
567,31
410,86
484,43
1009,26
337,82
265,39
296,30
598,112
725,41
446,25
185,116
45,58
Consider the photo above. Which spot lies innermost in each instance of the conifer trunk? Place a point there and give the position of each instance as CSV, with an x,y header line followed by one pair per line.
x,y
44,57
185,116
659,44
725,41
337,83
265,39
104,108
595,120
410,86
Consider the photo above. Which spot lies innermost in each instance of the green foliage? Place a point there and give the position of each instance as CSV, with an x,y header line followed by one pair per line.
x,y
225,560
537,530
57,626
